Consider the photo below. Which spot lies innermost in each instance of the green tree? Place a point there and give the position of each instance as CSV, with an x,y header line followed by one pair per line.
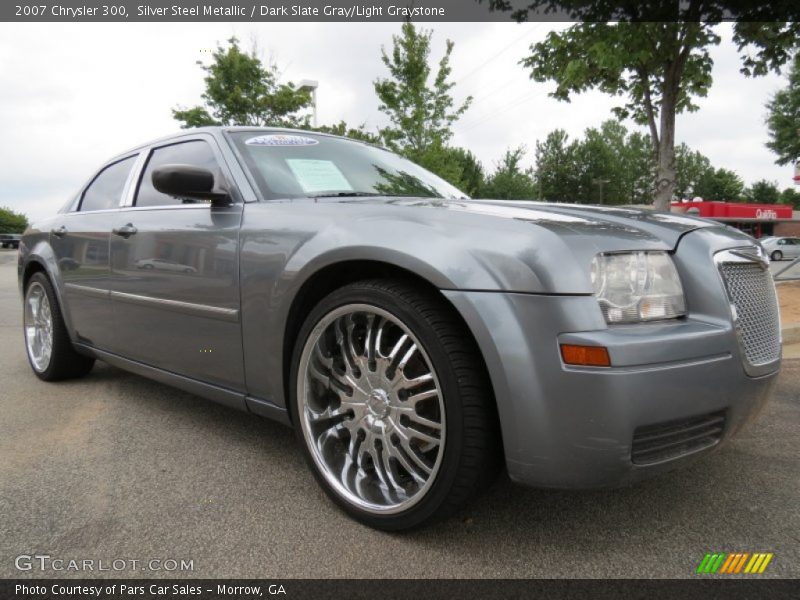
x,y
783,119
790,196
471,177
721,185
690,166
608,165
764,192
659,67
12,222
240,90
421,112
639,169
597,168
510,181
557,177
356,133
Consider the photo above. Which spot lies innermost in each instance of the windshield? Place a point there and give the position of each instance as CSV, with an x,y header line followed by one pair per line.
x,y
294,165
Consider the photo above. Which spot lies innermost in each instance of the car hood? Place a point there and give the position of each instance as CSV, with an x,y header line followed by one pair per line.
x,y
519,246
596,222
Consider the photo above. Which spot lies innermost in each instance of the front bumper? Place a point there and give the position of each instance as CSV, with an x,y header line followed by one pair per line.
x,y
573,427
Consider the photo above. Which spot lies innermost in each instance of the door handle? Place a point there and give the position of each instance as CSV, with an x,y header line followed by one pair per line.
x,y
125,231
60,232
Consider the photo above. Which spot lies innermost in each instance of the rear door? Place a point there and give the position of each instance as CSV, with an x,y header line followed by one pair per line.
x,y
174,277
80,241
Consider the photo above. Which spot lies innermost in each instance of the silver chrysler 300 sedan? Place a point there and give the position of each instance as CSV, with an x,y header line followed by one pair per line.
x,y
414,338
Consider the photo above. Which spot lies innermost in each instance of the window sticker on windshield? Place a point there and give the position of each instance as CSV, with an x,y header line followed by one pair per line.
x,y
281,140
318,175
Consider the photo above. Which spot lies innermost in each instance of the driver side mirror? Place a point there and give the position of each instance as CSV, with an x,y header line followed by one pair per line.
x,y
187,181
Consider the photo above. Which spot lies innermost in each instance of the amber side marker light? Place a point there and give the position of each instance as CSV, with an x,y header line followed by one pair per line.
x,y
587,356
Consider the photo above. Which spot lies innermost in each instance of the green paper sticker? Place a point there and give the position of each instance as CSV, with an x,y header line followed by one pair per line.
x,y
318,175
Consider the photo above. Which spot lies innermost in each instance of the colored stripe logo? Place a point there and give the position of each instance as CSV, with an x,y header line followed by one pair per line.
x,y
723,563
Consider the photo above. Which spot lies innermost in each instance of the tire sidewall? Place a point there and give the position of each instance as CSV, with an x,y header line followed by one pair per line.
x,y
777,255
445,477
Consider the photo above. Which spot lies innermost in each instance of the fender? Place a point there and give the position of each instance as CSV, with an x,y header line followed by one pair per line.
x,y
283,245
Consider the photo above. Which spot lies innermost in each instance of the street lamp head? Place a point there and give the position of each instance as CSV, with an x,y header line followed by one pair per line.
x,y
307,84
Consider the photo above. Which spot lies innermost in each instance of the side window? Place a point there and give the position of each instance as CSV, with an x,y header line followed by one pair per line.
x,y
196,153
106,189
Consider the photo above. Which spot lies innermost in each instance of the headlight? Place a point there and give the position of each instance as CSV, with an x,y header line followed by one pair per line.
x,y
637,286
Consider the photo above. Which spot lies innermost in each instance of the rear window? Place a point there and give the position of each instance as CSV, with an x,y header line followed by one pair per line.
x,y
106,189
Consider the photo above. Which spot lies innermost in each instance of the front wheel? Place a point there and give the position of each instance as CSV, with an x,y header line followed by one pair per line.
x,y
392,404
50,351
777,255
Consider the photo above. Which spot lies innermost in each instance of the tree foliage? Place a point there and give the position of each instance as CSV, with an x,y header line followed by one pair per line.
x,y
722,185
659,66
421,111
241,90
690,166
609,165
783,119
345,130
556,168
764,192
12,222
790,196
510,181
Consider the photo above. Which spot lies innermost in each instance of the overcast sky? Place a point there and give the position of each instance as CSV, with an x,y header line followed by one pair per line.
x,y
71,95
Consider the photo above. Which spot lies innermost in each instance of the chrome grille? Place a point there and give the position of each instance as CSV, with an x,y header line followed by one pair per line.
x,y
754,303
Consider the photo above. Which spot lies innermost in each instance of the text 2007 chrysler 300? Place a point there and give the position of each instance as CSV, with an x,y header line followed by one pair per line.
x,y
407,332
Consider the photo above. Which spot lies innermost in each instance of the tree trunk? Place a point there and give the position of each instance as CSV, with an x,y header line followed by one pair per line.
x,y
665,157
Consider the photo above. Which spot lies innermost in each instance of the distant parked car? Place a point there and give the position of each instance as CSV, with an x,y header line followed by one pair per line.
x,y
10,240
779,248
164,265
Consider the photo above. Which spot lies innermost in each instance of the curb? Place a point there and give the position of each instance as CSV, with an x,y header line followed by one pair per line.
x,y
790,334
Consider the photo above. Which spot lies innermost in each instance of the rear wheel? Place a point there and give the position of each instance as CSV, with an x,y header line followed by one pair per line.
x,y
50,351
777,255
392,405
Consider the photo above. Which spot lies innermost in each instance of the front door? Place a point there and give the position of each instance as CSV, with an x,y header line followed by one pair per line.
x,y
174,277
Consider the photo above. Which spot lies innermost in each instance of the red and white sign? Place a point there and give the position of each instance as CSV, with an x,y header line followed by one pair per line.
x,y
737,210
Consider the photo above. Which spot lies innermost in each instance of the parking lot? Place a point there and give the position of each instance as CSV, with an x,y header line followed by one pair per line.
x,y
114,466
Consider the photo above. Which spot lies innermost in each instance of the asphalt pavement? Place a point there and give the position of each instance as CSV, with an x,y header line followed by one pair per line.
x,y
114,466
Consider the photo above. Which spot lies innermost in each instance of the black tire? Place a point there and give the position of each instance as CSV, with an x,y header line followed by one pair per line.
x,y
777,255
472,456
65,362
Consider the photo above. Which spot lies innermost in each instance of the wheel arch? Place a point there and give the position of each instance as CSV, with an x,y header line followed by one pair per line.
x,y
41,259
337,275
32,267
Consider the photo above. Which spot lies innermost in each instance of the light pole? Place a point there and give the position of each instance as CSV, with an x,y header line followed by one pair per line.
x,y
311,84
600,183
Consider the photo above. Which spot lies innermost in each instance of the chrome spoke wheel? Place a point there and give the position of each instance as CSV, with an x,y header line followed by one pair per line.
x,y
371,408
38,323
